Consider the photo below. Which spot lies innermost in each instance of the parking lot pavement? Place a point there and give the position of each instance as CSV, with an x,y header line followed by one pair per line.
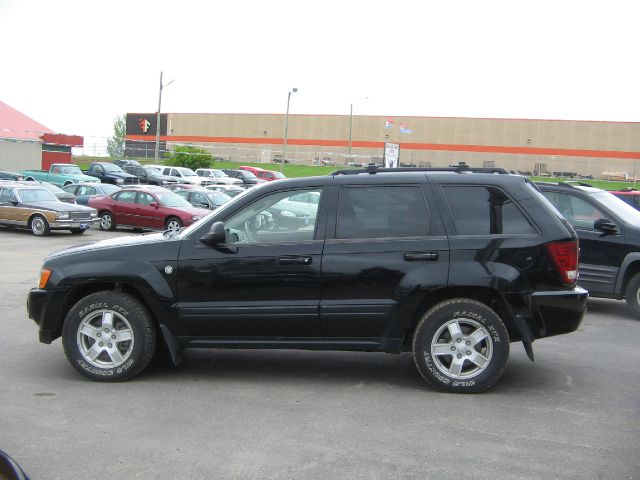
x,y
574,413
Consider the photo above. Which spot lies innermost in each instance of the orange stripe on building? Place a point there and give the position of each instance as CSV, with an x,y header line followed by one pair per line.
x,y
563,152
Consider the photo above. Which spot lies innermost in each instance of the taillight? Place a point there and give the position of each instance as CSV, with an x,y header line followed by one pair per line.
x,y
565,257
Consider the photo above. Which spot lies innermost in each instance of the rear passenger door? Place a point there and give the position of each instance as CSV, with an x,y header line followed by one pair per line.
x,y
385,249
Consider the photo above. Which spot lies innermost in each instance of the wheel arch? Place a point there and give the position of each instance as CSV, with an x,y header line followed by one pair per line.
x,y
488,296
629,268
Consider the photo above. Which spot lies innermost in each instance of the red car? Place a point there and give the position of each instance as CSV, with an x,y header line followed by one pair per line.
x,y
145,207
269,175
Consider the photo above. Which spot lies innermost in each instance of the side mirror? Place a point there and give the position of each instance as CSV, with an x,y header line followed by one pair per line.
x,y
154,204
606,226
215,235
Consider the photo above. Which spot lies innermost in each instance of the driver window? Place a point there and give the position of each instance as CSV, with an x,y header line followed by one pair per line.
x,y
578,212
275,218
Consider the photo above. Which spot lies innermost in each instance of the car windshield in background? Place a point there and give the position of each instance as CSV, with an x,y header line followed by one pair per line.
x,y
219,174
28,195
170,199
111,168
613,203
152,172
108,189
186,172
71,170
218,198
278,175
247,174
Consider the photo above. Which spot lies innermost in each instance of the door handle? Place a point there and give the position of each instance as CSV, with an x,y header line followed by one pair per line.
x,y
294,260
423,256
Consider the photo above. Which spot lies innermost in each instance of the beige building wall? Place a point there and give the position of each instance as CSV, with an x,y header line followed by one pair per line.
x,y
584,148
18,155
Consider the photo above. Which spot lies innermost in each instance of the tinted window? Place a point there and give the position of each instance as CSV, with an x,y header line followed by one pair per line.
x,y
378,212
479,210
578,212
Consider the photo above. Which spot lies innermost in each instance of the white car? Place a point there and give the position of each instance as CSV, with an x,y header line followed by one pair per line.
x,y
218,176
186,175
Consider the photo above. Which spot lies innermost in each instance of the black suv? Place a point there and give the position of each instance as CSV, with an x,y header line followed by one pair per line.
x,y
452,264
609,233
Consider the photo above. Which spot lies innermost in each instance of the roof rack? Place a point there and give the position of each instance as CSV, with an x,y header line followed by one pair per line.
x,y
460,168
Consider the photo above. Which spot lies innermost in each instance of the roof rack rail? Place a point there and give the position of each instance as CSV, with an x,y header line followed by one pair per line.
x,y
460,168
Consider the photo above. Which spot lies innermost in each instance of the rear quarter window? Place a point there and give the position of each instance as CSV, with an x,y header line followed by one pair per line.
x,y
484,210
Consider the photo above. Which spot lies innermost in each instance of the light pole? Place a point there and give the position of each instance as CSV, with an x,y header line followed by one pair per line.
x,y
286,128
351,121
158,118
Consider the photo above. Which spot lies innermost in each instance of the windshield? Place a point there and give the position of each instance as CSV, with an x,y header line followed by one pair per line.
x,y
71,170
218,173
152,172
247,174
170,199
36,195
108,189
111,168
619,207
186,172
278,175
218,198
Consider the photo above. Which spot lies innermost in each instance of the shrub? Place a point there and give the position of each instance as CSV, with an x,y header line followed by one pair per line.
x,y
190,157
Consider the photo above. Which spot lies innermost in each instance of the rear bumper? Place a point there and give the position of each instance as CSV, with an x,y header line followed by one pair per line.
x,y
560,311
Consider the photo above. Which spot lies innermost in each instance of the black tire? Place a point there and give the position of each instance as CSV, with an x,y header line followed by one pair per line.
x,y
107,316
632,295
107,222
173,223
78,231
461,346
39,226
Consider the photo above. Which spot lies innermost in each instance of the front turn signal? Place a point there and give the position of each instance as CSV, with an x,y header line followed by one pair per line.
x,y
44,278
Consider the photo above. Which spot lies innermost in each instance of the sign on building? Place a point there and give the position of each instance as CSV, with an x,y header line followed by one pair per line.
x,y
391,155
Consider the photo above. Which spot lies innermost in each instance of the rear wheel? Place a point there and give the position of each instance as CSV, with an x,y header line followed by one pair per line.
x,y
461,345
632,295
39,226
107,221
109,336
173,223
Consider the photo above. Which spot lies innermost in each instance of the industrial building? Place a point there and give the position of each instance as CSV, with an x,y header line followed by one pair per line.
x,y
574,148
27,144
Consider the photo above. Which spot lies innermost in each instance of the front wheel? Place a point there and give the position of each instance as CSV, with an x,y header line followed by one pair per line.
x,y
109,336
632,295
173,223
461,345
39,226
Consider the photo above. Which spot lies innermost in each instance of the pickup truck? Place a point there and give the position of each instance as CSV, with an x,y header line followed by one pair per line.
x,y
59,174
111,173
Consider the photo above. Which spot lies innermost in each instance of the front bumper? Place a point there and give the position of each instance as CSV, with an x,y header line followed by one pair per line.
x,y
72,223
45,308
560,311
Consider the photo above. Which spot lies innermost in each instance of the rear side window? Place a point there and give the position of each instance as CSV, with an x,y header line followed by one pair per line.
x,y
380,212
484,210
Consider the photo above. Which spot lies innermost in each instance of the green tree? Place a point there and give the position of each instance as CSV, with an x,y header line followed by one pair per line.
x,y
191,157
115,144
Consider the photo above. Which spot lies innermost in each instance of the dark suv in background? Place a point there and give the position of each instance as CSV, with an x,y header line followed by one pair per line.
x,y
609,233
451,264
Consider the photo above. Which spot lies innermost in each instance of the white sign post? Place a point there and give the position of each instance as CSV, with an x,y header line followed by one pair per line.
x,y
391,155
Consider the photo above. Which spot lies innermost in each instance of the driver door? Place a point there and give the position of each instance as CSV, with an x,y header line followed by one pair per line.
x,y
263,282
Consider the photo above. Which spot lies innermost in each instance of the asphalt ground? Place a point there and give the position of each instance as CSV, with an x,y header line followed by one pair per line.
x,y
573,414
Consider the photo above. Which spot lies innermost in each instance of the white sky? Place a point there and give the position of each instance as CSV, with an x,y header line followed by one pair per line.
x,y
74,65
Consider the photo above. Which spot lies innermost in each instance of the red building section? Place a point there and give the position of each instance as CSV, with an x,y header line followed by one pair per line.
x,y
56,148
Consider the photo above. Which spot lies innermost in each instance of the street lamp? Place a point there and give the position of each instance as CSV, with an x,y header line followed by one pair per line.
x,y
351,121
286,128
158,118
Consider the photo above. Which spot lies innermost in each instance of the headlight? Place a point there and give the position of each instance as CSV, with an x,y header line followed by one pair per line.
x,y
119,180
62,216
195,218
94,214
287,213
